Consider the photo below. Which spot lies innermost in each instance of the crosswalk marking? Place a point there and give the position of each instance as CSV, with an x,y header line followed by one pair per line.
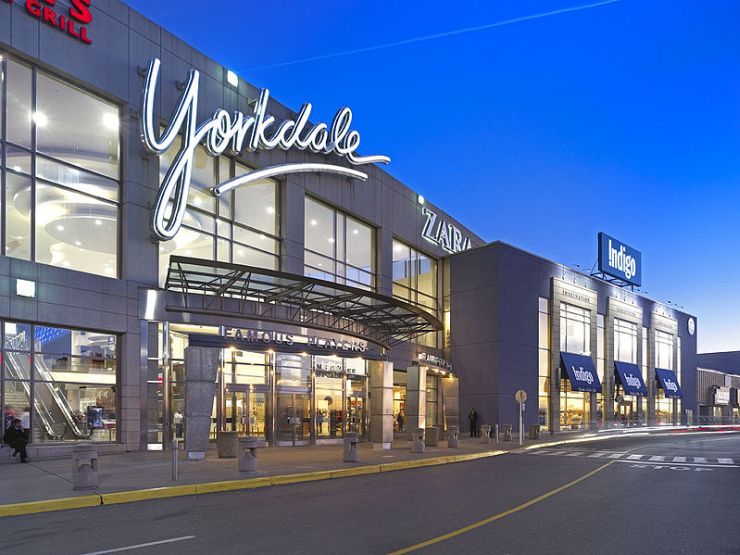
x,y
635,457
615,456
725,461
596,455
575,454
665,459
700,460
657,458
556,452
679,459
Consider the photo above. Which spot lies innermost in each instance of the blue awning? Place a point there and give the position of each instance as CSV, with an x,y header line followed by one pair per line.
x,y
668,382
630,377
581,372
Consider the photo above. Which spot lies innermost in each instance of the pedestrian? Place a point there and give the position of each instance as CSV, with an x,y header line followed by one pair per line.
x,y
320,421
15,436
177,419
400,421
473,417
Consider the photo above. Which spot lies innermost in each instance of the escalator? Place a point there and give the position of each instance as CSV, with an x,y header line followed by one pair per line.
x,y
55,416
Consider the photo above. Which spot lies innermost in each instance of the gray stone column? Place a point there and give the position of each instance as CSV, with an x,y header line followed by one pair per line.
x,y
381,403
450,402
201,368
416,398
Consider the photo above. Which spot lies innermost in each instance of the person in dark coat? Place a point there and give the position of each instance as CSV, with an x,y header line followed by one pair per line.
x,y
15,436
473,417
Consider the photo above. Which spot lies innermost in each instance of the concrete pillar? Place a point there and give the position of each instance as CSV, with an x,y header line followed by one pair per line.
x,y
292,218
201,364
416,398
381,403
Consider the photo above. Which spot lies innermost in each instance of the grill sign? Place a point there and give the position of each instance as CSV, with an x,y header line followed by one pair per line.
x,y
70,20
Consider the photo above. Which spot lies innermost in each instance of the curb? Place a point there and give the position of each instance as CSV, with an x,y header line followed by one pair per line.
x,y
116,498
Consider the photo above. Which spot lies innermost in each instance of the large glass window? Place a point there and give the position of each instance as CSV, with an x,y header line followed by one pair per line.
x,y
543,410
414,277
240,227
60,169
663,350
339,248
625,341
575,337
61,383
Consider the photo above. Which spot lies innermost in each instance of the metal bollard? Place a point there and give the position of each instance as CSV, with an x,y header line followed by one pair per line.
x,y
351,451
175,447
453,437
417,441
85,468
485,434
247,456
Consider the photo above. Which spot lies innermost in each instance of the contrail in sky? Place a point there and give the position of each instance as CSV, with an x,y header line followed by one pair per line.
x,y
438,35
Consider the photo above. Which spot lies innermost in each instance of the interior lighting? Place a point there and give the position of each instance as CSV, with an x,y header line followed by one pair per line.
x,y
355,232
98,222
232,78
314,222
330,239
60,228
270,210
110,121
420,199
25,288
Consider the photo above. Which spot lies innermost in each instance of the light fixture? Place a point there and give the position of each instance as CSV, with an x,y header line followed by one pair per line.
x,y
232,78
420,199
314,222
25,288
355,232
270,210
98,222
110,121
17,169
331,239
78,243
60,228
40,119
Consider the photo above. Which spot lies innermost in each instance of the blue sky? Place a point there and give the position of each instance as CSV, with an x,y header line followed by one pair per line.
x,y
622,118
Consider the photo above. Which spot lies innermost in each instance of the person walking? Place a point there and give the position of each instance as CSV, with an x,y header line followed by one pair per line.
x,y
473,418
15,436
400,421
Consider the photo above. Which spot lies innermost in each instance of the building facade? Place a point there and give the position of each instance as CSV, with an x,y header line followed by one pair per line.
x,y
718,387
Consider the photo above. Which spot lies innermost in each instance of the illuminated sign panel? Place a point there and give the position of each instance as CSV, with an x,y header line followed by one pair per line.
x,y
619,260
72,20
233,133
442,234
276,338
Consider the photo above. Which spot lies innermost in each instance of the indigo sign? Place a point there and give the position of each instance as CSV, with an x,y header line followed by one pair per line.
x,y
619,261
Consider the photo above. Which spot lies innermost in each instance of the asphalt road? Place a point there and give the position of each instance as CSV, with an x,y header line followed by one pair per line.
x,y
657,494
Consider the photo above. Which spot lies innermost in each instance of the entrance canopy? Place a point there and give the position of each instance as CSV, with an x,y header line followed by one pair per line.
x,y
581,372
222,288
630,377
668,382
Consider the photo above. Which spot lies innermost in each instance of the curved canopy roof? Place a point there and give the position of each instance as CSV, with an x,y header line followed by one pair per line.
x,y
246,291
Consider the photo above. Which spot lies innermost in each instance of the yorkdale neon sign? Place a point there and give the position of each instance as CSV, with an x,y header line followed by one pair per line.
x,y
236,132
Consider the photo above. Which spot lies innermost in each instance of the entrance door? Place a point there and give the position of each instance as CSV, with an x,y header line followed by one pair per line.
x,y
626,414
293,418
356,407
244,411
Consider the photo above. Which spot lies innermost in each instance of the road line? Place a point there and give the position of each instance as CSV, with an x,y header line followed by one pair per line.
x,y
635,457
555,452
575,454
615,456
498,516
725,461
657,458
141,545
679,459
596,455
701,460
667,464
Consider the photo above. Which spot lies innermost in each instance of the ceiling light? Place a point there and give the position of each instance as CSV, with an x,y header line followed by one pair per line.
x,y
330,239
60,228
232,78
355,232
314,222
40,119
189,252
270,210
110,121
98,222
17,169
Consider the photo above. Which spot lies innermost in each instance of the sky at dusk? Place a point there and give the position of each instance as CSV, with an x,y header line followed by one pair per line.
x,y
622,117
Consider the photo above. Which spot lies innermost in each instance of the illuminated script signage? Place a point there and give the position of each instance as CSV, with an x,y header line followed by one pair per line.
x,y
236,132
445,235
72,21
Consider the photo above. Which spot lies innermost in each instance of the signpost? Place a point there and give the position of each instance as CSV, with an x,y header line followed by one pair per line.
x,y
521,397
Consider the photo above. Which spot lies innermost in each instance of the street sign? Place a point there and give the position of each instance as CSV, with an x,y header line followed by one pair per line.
x,y
520,396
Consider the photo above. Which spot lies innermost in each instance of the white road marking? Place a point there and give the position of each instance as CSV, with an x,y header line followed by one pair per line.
x,y
615,456
576,454
679,459
700,460
555,452
725,461
657,458
140,545
596,455
635,457
666,465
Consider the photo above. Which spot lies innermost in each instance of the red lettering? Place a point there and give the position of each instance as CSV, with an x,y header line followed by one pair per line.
x,y
33,7
51,2
80,11
50,16
84,37
71,29
62,22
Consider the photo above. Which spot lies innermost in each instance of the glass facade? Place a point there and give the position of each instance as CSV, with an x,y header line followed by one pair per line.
x,y
575,337
543,409
60,172
414,277
664,349
338,247
61,383
626,337
241,226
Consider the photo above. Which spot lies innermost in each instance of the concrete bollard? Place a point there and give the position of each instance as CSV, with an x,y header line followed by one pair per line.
x,y
453,437
496,434
431,437
85,468
508,428
417,441
534,431
247,454
227,443
485,433
351,448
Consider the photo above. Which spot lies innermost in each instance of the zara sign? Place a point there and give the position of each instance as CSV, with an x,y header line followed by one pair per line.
x,y
233,133
439,232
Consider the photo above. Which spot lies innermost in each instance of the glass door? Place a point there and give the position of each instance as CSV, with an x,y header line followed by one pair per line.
x,y
356,407
293,418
